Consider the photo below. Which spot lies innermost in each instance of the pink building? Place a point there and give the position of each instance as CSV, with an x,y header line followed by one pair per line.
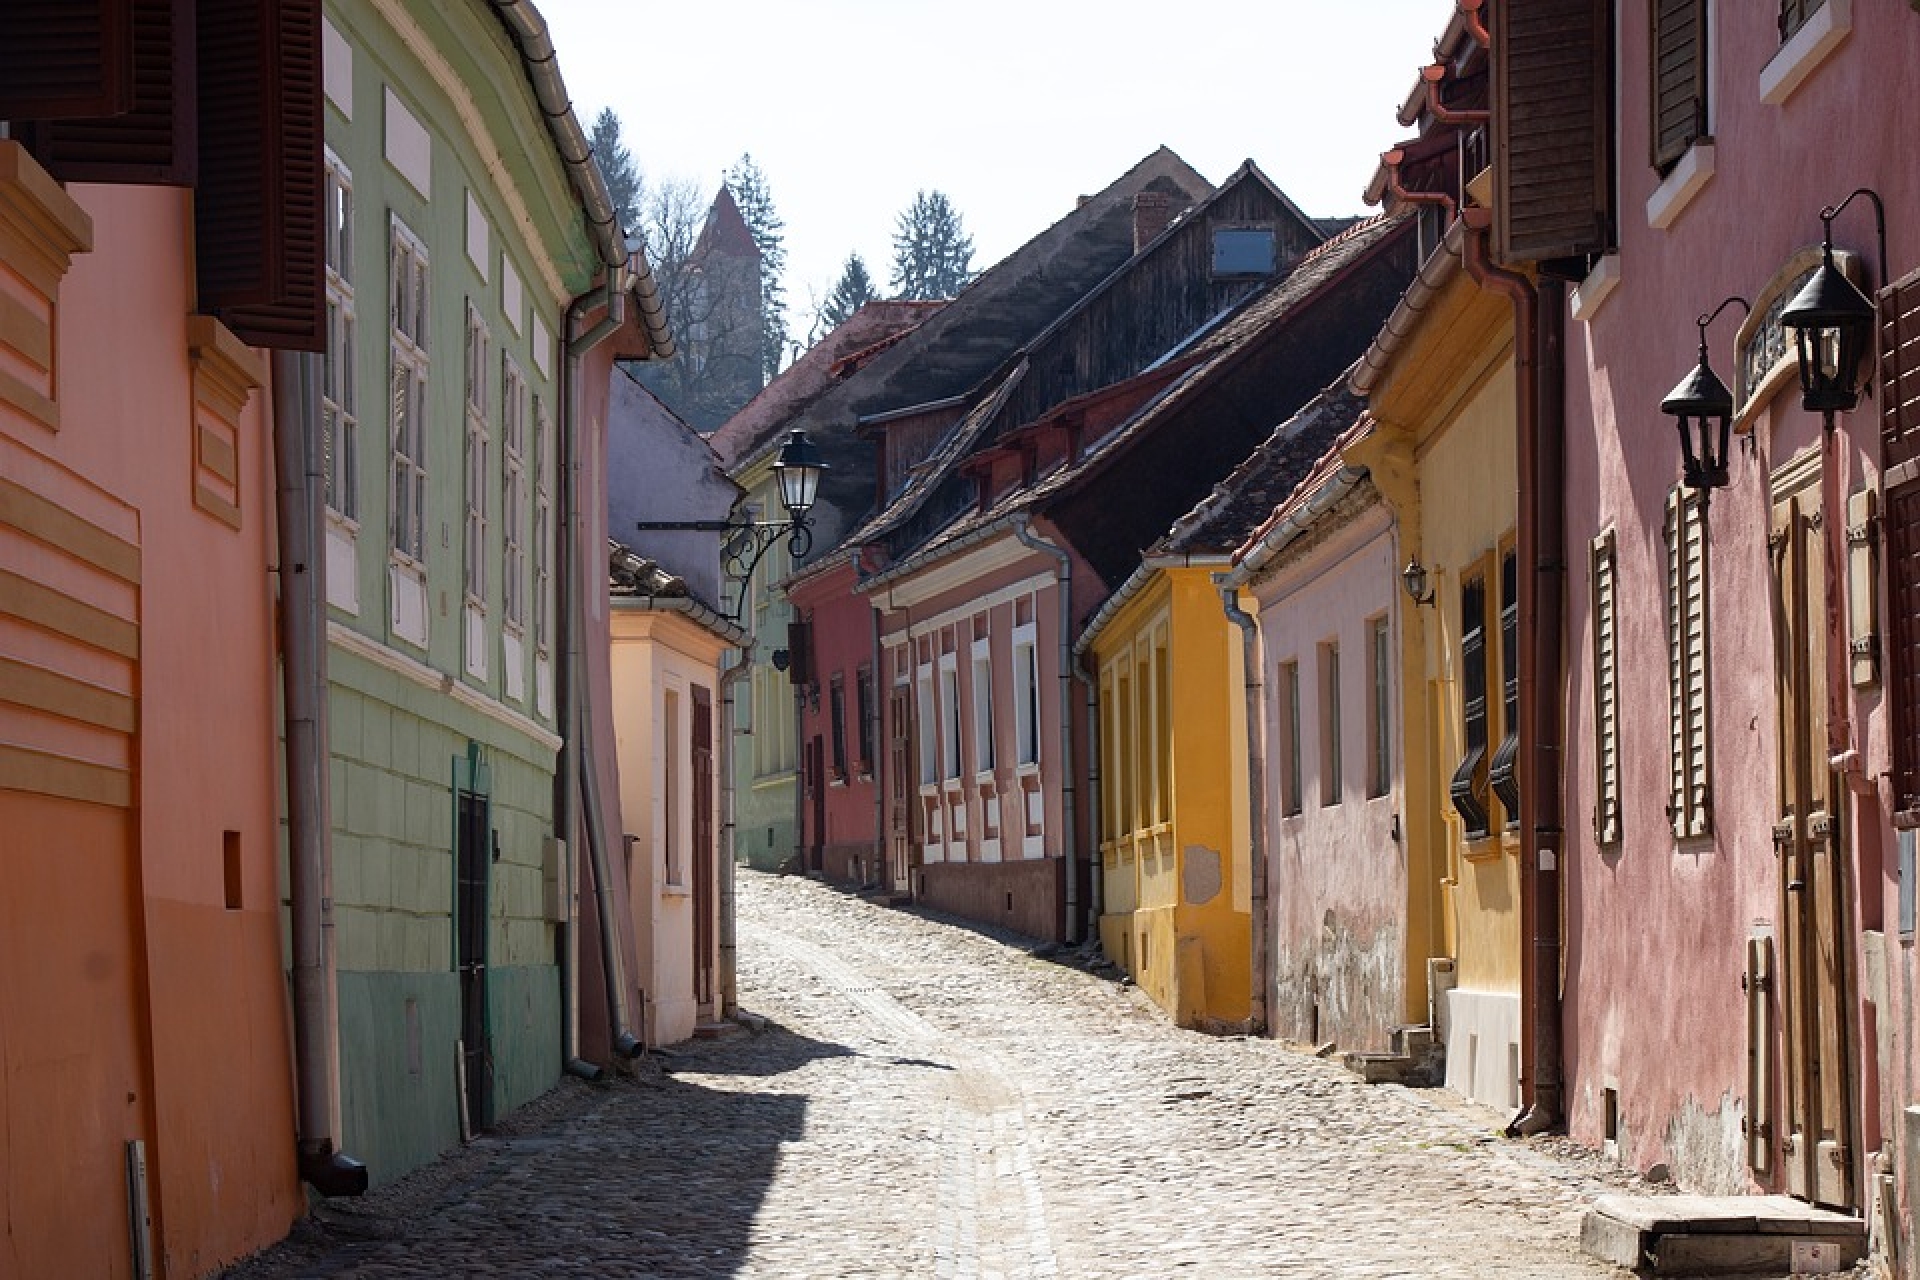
x,y
1740,973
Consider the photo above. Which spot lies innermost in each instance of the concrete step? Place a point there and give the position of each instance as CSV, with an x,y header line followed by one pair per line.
x,y
1721,1235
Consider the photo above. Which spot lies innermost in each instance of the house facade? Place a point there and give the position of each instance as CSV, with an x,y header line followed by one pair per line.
x,y
842,827
477,293
1740,670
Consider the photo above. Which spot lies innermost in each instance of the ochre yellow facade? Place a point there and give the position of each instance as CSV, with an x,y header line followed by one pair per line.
x,y
1173,827
1443,454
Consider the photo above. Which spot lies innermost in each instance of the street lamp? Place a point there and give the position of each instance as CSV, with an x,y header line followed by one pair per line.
x,y
1702,409
1414,579
797,472
1832,321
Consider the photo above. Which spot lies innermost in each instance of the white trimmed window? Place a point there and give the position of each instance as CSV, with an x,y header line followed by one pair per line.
x,y
982,690
543,466
1379,709
513,497
479,443
924,715
339,423
1026,694
1606,693
949,712
1331,749
1690,796
408,311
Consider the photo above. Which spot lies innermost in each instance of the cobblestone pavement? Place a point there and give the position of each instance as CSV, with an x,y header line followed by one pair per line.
x,y
926,1099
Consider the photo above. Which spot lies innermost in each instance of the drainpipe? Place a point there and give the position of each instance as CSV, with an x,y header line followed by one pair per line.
x,y
1433,75
1469,11
1539,377
1023,531
1097,892
303,676
1256,794
577,786
1391,161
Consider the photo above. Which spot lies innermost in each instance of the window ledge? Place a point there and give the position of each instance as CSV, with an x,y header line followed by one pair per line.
x,y
1688,178
1599,285
1802,55
1027,770
675,891
1484,849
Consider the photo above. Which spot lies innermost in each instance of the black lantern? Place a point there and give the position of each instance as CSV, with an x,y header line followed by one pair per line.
x,y
797,471
1414,578
1702,409
1832,322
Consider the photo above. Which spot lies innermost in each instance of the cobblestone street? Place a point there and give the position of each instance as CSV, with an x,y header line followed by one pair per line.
x,y
926,1100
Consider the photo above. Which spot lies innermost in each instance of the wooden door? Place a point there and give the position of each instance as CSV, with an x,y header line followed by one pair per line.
x,y
706,888
1810,844
815,839
899,784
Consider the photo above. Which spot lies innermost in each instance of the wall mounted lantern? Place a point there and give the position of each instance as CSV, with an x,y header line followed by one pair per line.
x,y
1702,409
1832,321
1415,580
797,471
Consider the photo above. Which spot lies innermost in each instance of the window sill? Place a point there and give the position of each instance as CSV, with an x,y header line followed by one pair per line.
x,y
1687,180
1593,291
675,891
1802,55
1484,849
1030,770
984,778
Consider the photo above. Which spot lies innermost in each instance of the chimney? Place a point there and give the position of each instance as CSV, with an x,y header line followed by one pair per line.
x,y
1152,211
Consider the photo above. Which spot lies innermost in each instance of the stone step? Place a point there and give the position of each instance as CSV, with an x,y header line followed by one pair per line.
x,y
1721,1235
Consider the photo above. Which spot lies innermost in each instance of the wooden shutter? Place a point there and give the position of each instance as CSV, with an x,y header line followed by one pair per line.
x,y
1469,785
1900,458
1552,126
153,141
1794,15
258,216
1899,307
1678,78
1504,773
66,59
1606,693
1690,790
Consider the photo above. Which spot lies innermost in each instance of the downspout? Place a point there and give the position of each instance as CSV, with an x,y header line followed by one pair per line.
x,y
1023,531
1439,110
1097,888
303,676
1539,375
727,979
577,786
1391,161
1256,795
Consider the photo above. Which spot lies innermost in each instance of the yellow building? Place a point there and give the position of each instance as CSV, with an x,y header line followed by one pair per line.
x,y
1173,826
1440,381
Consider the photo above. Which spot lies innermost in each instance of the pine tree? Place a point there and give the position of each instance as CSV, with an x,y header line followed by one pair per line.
x,y
750,191
617,167
932,253
855,290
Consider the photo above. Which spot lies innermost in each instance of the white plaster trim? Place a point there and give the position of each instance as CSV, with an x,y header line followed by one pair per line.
x,y
492,162
479,240
1005,595
408,146
407,585
513,666
542,347
1596,288
343,564
1689,177
347,639
336,62
1801,56
921,585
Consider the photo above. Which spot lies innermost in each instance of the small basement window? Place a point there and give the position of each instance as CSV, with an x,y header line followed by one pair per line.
x,y
1243,251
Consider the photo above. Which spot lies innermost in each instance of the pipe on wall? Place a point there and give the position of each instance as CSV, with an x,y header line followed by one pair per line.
x,y
1023,531
303,674
1257,882
1540,410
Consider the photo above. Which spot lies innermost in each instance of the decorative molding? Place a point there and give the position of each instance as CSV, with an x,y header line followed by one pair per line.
x,y
226,371
364,646
41,228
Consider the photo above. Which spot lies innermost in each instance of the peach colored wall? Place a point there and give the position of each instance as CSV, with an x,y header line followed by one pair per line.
x,y
179,1000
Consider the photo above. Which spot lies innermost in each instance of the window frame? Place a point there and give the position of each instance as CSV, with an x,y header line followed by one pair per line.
x,y
1672,25
513,494
1332,748
409,349
1379,706
339,417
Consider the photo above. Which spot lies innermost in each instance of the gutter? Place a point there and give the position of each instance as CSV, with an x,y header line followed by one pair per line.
x,y
708,620
1540,411
303,675
1441,266
537,58
1023,531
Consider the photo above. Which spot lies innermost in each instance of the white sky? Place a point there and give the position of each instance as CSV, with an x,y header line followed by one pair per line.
x,y
1014,108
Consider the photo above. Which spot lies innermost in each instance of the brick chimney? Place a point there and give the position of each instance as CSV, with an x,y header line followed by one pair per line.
x,y
1152,211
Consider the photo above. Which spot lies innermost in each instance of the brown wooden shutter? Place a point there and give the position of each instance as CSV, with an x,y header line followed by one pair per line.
x,y
258,216
1552,129
153,141
1899,305
1678,78
1504,773
1468,787
66,59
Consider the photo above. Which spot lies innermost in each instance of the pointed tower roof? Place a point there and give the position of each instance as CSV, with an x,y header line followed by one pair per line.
x,y
726,231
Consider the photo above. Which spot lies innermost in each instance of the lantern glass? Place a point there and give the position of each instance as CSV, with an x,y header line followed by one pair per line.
x,y
1831,322
799,469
